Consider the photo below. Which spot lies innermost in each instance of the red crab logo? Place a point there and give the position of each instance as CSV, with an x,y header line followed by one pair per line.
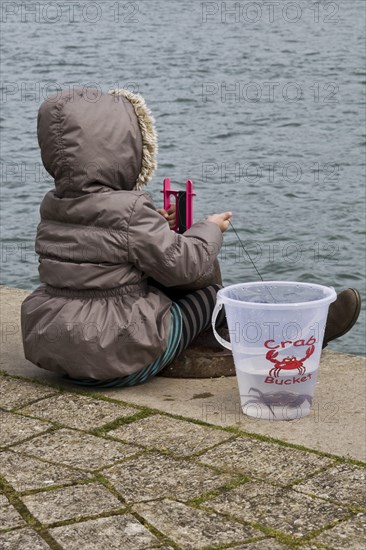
x,y
288,363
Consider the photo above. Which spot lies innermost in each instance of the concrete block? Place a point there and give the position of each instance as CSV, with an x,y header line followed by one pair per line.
x,y
113,533
282,509
161,432
25,473
75,411
152,476
14,393
76,449
279,464
344,483
349,534
192,528
22,539
15,428
71,503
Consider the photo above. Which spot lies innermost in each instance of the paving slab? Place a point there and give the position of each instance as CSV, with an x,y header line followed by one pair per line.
x,y
14,393
343,483
277,463
76,411
152,475
15,428
350,534
178,436
339,403
193,528
22,539
9,516
25,473
113,533
76,449
71,503
282,509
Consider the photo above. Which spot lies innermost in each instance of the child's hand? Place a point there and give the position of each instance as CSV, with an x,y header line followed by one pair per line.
x,y
169,215
222,220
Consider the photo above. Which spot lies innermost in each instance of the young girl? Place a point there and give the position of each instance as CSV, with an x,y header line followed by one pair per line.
x,y
106,254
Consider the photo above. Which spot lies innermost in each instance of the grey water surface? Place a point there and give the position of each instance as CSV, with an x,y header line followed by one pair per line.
x,y
261,104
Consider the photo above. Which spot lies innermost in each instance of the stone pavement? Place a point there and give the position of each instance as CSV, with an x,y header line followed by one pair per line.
x,y
173,464
81,470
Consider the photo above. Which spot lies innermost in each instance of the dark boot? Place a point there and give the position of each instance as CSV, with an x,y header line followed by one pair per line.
x,y
343,314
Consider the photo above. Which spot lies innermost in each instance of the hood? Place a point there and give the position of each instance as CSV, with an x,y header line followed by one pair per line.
x,y
91,141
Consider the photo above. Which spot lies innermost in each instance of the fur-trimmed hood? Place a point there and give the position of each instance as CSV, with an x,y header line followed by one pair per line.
x,y
92,141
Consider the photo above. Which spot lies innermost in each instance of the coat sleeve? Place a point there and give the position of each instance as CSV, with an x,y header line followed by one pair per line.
x,y
170,258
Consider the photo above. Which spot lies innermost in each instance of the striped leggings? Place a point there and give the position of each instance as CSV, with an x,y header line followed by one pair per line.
x,y
197,308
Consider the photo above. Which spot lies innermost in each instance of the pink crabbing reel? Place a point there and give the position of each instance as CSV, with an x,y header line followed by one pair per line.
x,y
183,203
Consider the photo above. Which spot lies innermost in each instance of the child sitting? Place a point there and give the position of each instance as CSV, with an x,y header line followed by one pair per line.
x,y
98,317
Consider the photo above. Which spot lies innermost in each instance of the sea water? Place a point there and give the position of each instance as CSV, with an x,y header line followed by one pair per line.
x,y
287,396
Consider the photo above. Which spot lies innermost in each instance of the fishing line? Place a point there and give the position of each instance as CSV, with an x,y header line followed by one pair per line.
x,y
251,260
246,252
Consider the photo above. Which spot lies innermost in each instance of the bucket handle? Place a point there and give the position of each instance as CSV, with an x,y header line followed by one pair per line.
x,y
215,313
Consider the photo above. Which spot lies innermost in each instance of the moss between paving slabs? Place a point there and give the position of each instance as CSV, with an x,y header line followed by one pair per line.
x,y
204,504
142,412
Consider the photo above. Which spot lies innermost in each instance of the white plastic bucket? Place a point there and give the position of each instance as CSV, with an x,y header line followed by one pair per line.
x,y
276,334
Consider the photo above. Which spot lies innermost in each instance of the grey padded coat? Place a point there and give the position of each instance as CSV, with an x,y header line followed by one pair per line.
x,y
100,238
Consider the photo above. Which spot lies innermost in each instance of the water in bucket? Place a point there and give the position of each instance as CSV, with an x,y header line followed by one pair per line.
x,y
276,335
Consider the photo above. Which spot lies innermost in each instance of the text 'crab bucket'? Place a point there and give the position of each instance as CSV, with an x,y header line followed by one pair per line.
x,y
276,334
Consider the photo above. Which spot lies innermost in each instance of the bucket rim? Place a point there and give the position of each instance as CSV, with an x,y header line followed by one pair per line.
x,y
326,300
